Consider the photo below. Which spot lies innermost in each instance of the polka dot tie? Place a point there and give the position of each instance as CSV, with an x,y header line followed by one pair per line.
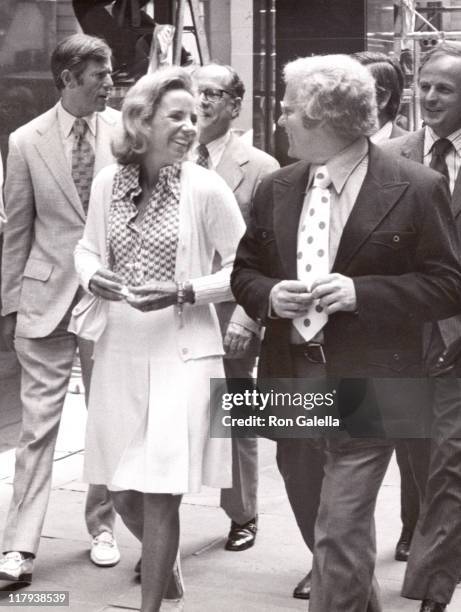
x,y
82,161
312,249
202,156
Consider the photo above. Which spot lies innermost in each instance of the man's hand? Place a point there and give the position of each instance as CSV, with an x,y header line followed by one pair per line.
x,y
9,328
155,295
237,339
335,292
107,285
290,299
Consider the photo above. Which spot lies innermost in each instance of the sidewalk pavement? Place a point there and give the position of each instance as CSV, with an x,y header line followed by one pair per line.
x,y
260,579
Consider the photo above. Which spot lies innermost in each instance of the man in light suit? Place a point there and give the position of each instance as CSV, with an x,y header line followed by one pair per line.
x,y
242,167
435,554
51,162
381,230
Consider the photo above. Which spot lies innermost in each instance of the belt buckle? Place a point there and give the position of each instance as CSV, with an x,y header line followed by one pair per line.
x,y
318,346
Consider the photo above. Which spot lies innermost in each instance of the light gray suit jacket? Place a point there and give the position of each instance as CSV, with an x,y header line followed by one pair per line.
x,y
45,222
242,167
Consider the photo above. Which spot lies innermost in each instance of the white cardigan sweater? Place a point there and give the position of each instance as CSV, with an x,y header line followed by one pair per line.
x,y
210,221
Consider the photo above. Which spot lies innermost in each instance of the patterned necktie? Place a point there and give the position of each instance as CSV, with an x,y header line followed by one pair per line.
x,y
439,151
82,161
202,156
313,243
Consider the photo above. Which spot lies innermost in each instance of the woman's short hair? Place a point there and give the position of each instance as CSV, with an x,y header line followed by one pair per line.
x,y
74,52
139,107
388,76
336,89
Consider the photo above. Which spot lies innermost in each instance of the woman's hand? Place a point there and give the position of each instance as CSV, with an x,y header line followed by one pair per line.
x,y
155,295
107,285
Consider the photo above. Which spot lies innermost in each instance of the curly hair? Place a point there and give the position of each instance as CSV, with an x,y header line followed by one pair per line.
x,y
139,107
336,89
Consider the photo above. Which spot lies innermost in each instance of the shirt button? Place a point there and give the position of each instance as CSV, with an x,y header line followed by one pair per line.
x,y
184,351
264,234
396,238
395,356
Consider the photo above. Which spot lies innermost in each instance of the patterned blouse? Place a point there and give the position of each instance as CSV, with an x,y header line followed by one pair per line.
x,y
144,251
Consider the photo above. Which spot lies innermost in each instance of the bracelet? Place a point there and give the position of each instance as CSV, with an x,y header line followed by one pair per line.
x,y
184,295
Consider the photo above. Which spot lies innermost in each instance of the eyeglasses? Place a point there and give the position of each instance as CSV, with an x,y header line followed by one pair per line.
x,y
213,95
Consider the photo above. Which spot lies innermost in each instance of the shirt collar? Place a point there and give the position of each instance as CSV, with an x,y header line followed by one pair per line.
x,y
216,147
127,180
383,134
341,165
66,121
430,137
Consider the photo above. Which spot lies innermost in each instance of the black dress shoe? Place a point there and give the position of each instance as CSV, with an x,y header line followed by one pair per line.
x,y
303,588
428,605
402,550
242,537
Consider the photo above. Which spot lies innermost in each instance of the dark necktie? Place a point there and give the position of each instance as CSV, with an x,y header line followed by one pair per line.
x,y
203,156
82,162
439,151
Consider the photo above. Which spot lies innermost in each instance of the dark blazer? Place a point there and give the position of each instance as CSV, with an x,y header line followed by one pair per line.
x,y
411,146
400,247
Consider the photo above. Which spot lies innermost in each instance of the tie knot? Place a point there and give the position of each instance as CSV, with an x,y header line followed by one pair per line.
x,y
80,127
322,178
441,147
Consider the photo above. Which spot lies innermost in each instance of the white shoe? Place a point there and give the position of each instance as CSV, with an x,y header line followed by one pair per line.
x,y
14,567
104,550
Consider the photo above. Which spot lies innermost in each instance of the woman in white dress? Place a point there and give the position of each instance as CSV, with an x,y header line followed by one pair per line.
x,y
155,224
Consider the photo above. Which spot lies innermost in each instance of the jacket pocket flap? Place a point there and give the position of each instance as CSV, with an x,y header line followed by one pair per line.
x,y
393,240
38,269
264,235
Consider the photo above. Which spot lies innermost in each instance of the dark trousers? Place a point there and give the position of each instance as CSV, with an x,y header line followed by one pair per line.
x,y
332,485
434,565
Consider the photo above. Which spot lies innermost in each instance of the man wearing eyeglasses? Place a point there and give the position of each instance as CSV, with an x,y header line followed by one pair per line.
x,y
242,166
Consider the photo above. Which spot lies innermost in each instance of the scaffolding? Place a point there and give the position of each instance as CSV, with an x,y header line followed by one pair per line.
x,y
414,35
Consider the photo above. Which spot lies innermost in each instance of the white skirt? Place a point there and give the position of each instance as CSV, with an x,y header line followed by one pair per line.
x,y
148,415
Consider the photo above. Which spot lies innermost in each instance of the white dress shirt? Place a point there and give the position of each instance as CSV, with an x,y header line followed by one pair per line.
x,y
215,150
347,171
66,123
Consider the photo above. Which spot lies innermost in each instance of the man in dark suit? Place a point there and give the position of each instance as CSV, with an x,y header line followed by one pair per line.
x,y
389,82
51,162
242,166
435,554
381,230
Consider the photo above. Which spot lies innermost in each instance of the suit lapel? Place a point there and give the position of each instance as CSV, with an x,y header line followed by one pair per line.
x,y
380,191
413,147
232,160
288,195
456,197
51,150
